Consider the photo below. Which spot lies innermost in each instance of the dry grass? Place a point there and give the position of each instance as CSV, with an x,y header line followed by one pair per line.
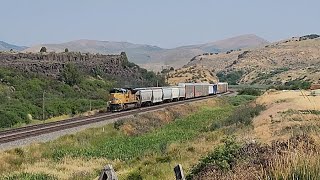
x,y
192,74
277,117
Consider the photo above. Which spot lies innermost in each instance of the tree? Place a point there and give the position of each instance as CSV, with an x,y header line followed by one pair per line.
x,y
66,50
43,49
71,75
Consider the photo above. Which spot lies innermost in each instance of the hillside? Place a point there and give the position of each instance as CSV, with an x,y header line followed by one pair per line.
x,y
191,74
71,83
7,47
153,57
288,60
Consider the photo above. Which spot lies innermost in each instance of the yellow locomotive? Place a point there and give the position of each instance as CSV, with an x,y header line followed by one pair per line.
x,y
123,98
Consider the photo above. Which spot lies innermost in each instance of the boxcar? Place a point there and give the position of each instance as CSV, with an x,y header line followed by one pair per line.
x,y
222,87
189,90
166,94
211,92
205,89
175,93
156,95
197,90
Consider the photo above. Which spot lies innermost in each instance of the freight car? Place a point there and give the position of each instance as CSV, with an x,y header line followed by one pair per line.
x,y
222,87
126,98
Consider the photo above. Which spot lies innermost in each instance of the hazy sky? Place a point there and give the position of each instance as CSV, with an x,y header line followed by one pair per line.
x,y
165,23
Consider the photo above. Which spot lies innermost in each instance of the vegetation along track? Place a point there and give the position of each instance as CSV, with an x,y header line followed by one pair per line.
x,y
39,129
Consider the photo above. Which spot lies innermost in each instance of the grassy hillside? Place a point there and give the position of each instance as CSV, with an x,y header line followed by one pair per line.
x,y
21,94
191,74
295,59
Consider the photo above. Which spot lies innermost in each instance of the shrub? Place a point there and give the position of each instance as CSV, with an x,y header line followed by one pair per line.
x,y
250,91
242,115
43,49
134,176
71,75
118,124
293,85
232,78
240,99
223,157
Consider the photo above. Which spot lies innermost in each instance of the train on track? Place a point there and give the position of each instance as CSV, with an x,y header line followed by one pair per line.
x,y
129,98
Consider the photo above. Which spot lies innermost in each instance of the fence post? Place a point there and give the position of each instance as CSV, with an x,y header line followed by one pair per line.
x,y
108,173
179,172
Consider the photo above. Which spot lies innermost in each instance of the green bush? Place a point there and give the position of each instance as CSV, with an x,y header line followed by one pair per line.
x,y
223,157
232,78
250,91
242,115
134,176
293,85
71,75
240,99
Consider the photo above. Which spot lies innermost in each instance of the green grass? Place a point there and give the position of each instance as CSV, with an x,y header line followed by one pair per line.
x,y
254,86
124,147
29,176
241,99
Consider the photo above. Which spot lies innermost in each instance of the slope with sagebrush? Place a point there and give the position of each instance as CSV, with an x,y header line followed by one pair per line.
x,y
277,63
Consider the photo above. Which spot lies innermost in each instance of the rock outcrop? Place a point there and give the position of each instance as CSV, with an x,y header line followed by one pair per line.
x,y
51,64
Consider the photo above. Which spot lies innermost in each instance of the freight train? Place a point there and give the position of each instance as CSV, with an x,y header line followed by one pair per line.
x,y
128,98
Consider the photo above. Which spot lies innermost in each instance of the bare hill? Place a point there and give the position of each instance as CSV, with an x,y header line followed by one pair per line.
x,y
153,57
7,47
277,63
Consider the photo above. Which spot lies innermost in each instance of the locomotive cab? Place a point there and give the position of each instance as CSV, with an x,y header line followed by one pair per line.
x,y
122,98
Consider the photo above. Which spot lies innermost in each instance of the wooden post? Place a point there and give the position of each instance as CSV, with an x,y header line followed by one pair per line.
x,y
179,172
108,173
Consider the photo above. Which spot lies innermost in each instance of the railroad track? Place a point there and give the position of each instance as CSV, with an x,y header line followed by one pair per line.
x,y
39,129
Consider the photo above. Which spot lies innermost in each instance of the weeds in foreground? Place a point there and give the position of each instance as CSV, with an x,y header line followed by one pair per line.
x,y
242,115
125,147
223,157
296,158
29,176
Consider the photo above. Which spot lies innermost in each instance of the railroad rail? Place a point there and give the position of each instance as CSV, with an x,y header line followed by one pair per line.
x,y
39,129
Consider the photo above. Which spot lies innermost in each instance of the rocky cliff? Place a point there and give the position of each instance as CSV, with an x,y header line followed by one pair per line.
x,y
51,64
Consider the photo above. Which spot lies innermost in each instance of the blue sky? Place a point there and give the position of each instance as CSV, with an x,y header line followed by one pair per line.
x,y
165,23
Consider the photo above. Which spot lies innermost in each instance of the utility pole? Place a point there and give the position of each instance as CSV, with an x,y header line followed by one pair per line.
x,y
43,105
